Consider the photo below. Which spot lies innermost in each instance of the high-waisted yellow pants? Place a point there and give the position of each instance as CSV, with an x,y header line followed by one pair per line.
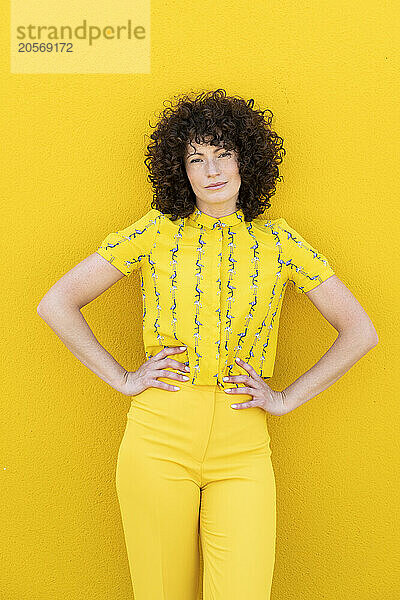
x,y
196,489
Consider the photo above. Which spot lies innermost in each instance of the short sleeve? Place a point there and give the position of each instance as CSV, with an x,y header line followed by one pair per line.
x,y
306,267
124,249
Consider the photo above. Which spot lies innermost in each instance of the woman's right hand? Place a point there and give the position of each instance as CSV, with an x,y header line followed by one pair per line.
x,y
146,375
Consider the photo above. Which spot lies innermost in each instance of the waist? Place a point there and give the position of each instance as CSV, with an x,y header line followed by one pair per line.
x,y
194,386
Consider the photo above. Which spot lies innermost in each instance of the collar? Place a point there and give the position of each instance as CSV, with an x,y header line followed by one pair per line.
x,y
202,219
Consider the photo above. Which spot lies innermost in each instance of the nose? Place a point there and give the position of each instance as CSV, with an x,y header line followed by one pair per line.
x,y
212,167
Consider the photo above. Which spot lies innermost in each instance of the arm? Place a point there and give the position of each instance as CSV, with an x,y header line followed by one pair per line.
x,y
61,307
357,336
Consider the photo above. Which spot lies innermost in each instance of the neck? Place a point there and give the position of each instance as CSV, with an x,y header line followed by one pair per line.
x,y
217,211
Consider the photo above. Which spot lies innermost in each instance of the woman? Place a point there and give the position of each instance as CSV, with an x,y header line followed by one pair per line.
x,y
194,473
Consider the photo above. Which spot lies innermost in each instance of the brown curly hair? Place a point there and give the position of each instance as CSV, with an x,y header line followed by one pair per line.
x,y
215,118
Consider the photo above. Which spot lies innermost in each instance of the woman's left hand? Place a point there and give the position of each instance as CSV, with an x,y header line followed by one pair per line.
x,y
271,401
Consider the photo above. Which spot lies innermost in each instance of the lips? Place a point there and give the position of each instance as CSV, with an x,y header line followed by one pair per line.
x,y
216,185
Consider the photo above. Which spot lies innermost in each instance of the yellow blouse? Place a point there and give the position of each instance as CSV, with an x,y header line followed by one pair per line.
x,y
215,285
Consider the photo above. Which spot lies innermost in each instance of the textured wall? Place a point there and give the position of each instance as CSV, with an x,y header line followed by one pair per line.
x,y
73,154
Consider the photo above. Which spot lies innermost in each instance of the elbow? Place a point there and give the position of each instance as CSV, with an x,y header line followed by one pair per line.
x,y
364,338
48,303
43,307
373,338
49,306
40,310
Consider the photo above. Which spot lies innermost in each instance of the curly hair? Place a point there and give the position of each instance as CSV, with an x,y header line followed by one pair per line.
x,y
215,118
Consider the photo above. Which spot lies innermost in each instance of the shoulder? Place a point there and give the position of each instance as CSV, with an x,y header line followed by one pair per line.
x,y
156,216
154,224
152,216
144,223
261,221
268,231
278,223
286,238
275,226
279,227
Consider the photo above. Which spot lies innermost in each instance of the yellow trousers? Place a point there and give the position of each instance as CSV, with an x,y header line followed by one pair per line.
x,y
196,489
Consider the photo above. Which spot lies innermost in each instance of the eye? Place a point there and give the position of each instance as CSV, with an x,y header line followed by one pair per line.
x,y
227,153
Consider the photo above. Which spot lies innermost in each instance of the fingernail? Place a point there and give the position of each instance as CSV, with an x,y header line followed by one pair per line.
x,y
224,379
182,347
237,359
187,369
176,387
234,405
185,378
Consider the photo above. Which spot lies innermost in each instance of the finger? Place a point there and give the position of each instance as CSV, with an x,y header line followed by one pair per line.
x,y
248,404
164,386
240,379
247,368
171,375
240,390
167,350
175,364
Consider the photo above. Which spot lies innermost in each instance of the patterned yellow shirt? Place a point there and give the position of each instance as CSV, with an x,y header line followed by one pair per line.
x,y
215,285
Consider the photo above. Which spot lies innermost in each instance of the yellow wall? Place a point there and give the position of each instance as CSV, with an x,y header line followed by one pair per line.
x,y
73,149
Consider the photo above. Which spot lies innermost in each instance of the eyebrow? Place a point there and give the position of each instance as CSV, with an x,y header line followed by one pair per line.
x,y
201,153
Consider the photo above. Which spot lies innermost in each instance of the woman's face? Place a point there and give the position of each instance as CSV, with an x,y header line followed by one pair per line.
x,y
205,165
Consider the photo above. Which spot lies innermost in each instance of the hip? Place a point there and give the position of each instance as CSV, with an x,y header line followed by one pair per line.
x,y
196,416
